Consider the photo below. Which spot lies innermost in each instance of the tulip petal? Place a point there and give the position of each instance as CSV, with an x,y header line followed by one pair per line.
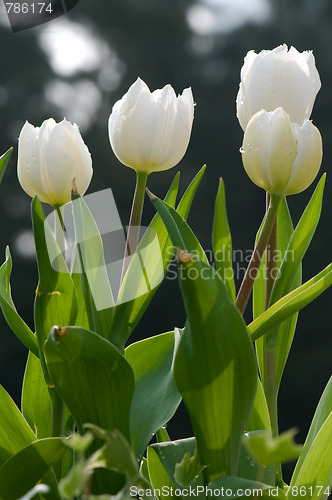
x,y
308,159
269,150
28,168
49,158
278,78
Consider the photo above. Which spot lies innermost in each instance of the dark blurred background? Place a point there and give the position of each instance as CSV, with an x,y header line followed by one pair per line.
x,y
78,65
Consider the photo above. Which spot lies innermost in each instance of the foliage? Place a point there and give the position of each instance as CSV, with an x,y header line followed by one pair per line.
x,y
80,382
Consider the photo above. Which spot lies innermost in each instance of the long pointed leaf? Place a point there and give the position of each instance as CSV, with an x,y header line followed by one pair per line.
x,y
15,432
285,329
222,242
22,471
56,301
36,402
291,303
322,412
4,159
215,367
180,233
315,474
15,322
96,286
299,243
156,397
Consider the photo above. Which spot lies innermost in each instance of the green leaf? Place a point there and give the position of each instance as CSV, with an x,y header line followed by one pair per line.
x,y
215,367
299,243
156,397
94,278
36,402
73,484
286,329
115,455
184,205
237,487
4,159
269,450
179,231
316,470
288,277
163,459
222,242
22,471
285,230
92,377
15,322
78,442
259,419
15,433
128,313
158,475
291,303
96,383
188,469
56,301
323,410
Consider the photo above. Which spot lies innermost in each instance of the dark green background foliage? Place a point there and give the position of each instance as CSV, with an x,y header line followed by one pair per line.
x,y
152,39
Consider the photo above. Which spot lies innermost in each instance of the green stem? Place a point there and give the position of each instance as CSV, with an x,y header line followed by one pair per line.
x,y
256,258
135,218
59,227
270,385
271,259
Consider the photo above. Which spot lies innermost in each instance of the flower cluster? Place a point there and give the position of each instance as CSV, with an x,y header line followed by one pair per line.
x,y
148,131
282,149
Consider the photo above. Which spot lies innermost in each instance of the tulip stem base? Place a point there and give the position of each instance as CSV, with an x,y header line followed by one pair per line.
x,y
256,258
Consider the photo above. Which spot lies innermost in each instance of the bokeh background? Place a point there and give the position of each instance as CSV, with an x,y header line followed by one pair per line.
x,y
78,65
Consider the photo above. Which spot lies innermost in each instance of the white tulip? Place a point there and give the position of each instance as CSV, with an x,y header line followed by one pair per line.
x,y
50,157
280,156
150,131
278,78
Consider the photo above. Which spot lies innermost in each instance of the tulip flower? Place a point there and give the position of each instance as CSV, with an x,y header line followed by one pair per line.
x,y
278,78
50,158
280,156
148,131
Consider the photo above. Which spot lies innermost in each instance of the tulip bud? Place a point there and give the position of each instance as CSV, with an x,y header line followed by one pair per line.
x,y
50,158
279,156
278,78
150,131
